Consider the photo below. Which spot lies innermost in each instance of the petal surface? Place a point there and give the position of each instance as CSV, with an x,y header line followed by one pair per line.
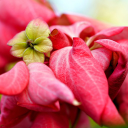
x,y
14,81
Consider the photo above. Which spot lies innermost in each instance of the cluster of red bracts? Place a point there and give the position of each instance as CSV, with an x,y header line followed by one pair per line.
x,y
89,63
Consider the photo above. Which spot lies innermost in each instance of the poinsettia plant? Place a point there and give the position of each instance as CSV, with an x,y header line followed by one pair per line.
x,y
67,69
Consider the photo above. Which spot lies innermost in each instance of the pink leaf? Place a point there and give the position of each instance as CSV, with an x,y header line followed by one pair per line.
x,y
29,9
44,88
14,81
77,68
24,100
117,77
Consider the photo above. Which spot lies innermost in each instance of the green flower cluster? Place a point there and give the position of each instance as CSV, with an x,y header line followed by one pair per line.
x,y
33,43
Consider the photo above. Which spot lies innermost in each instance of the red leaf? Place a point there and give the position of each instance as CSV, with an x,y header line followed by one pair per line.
x,y
77,68
59,39
14,81
44,88
11,113
122,99
117,77
51,120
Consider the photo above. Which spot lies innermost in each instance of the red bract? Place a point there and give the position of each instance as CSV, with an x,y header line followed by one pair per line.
x,y
77,68
122,100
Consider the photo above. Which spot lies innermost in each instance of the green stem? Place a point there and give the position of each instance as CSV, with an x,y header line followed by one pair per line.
x,y
89,41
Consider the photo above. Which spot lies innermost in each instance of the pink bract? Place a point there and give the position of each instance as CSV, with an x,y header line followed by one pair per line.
x,y
14,81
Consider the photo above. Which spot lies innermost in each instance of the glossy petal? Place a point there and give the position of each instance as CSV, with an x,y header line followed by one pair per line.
x,y
77,68
59,39
50,120
24,100
44,88
117,77
22,12
11,113
37,28
14,81
30,56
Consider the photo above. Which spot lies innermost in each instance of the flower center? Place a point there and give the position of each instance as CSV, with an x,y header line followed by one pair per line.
x,y
30,44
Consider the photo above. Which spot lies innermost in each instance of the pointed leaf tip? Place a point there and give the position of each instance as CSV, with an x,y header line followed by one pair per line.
x,y
76,103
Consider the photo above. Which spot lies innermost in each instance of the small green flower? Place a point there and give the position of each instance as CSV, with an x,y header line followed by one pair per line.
x,y
33,43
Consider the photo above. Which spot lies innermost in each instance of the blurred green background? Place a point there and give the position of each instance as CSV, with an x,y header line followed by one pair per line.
x,y
111,11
